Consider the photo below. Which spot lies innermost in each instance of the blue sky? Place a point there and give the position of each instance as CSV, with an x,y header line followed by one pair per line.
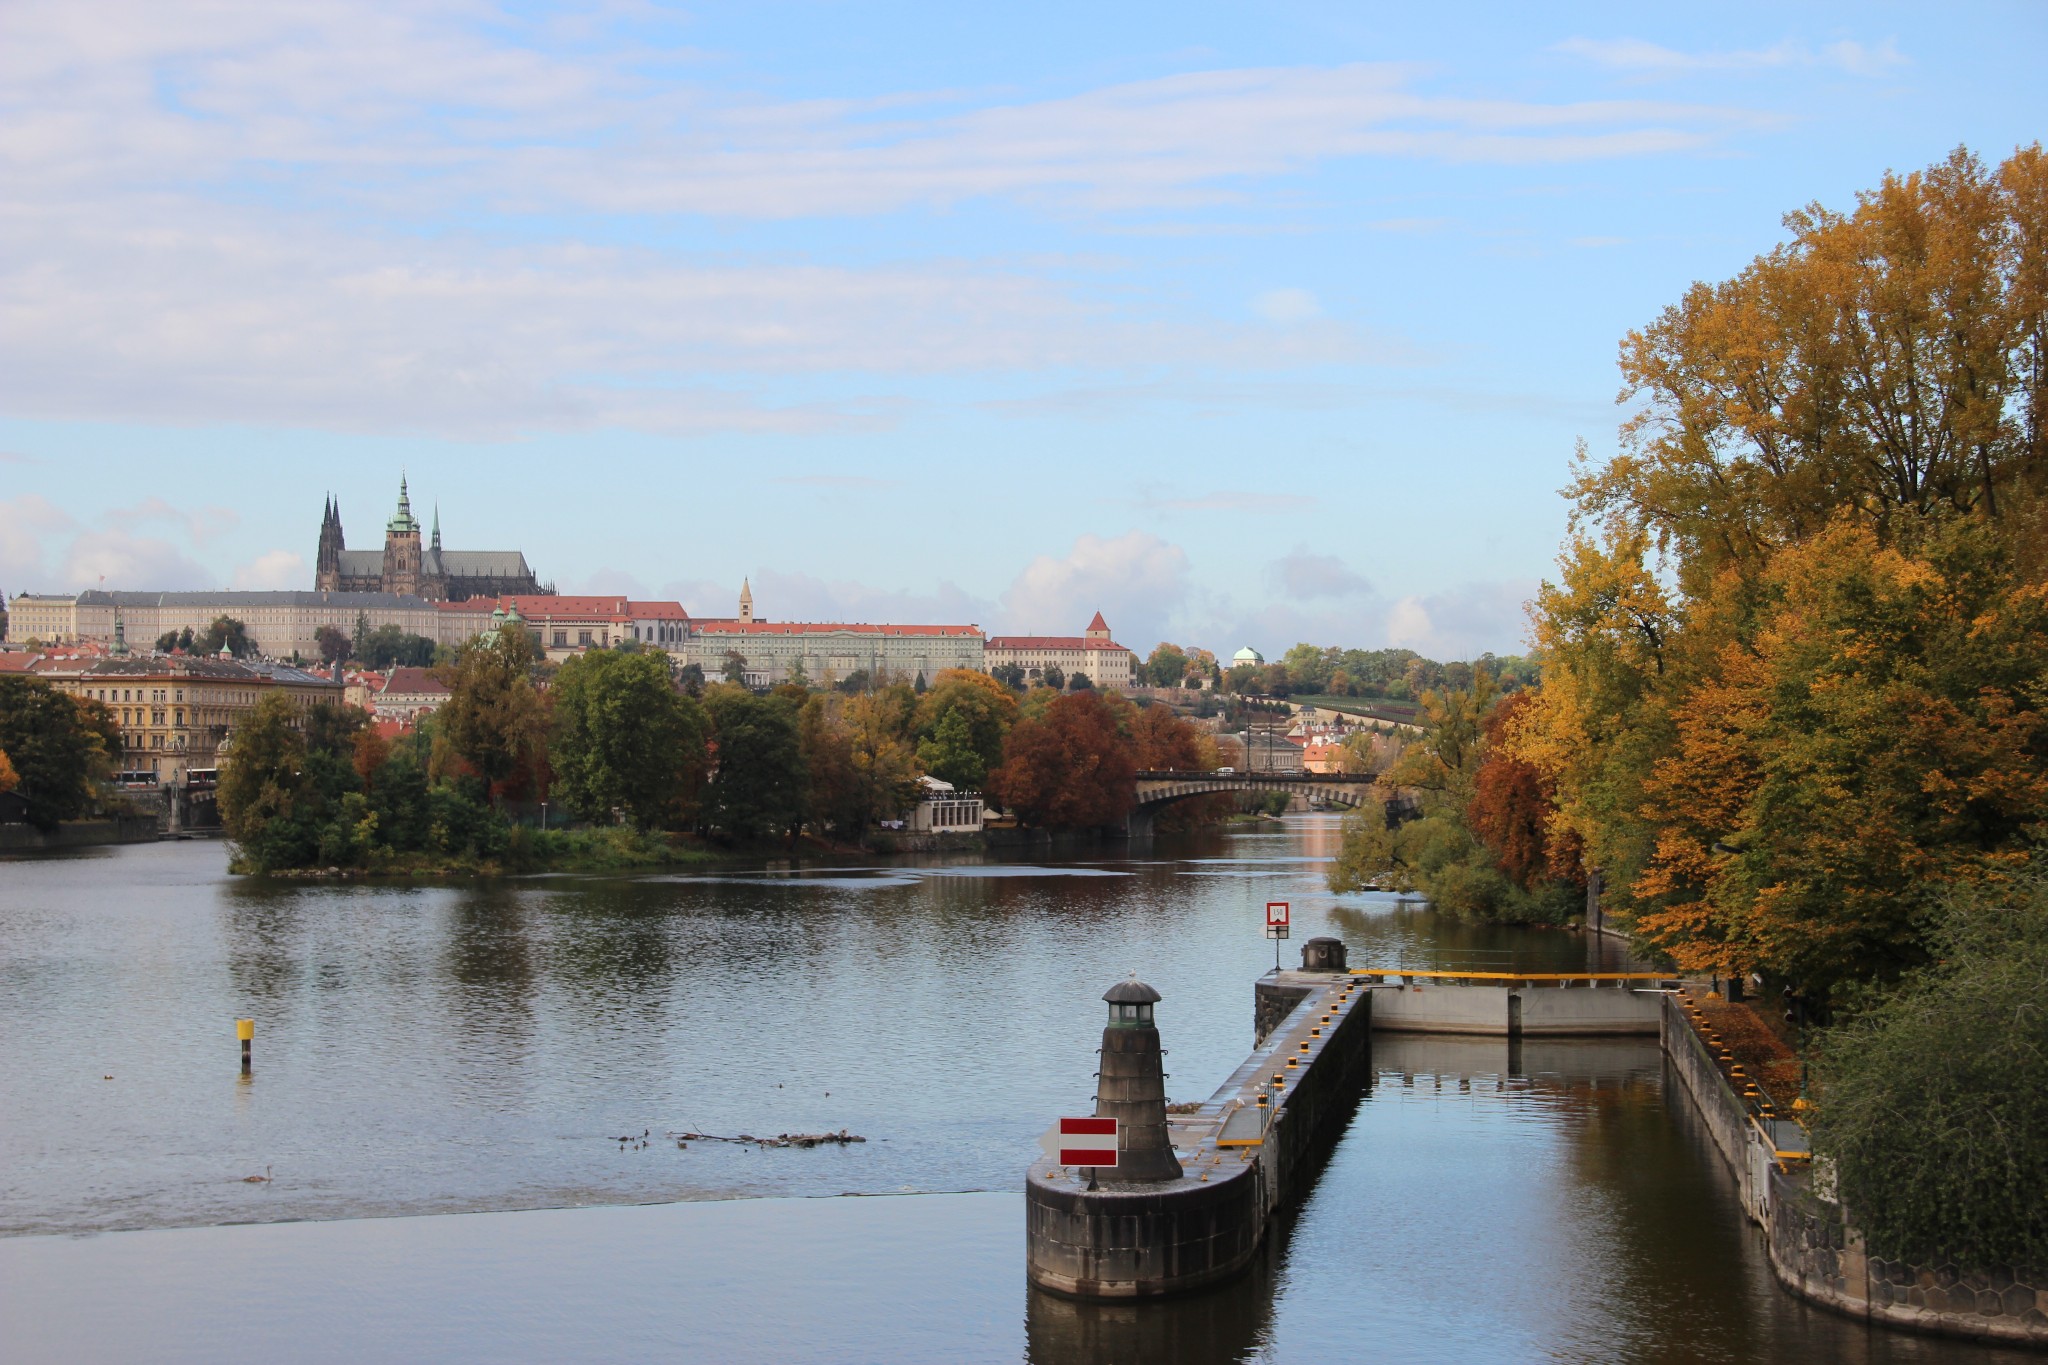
x,y
1241,323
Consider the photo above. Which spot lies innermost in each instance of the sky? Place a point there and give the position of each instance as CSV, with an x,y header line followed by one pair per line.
x,y
1243,324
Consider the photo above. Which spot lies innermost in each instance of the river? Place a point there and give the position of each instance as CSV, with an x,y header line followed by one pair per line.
x,y
424,1051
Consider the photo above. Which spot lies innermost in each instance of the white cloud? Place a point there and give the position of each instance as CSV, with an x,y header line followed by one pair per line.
x,y
1305,575
1136,580
1640,57
274,569
1286,306
27,524
119,559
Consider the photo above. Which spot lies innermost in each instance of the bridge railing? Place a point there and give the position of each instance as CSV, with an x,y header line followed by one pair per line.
x,y
1295,775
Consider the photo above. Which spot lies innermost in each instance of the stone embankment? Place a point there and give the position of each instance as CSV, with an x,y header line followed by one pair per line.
x,y
1814,1251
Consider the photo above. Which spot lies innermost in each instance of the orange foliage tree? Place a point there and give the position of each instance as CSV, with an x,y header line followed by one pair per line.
x,y
1068,767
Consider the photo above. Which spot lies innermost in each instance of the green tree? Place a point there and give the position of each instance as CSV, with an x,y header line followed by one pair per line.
x,y
1054,677
225,633
735,667
758,786
334,646
985,708
949,754
495,719
1934,1101
167,642
59,746
268,805
1166,666
690,678
392,646
626,739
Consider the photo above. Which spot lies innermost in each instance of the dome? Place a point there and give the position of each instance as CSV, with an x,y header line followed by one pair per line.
x,y
1248,655
1131,992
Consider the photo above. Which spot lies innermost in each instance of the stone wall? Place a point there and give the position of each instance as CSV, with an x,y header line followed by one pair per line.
x,y
123,829
1814,1251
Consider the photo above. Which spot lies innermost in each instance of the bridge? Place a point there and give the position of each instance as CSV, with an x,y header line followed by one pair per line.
x,y
1158,789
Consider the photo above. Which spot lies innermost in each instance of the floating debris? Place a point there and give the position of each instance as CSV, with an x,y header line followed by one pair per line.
x,y
842,1138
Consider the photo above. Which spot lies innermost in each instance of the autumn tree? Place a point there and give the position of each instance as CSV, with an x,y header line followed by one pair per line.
x,y
9,778
495,719
1068,768
1793,663
625,739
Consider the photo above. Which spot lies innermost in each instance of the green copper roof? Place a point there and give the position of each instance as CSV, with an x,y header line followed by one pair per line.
x,y
402,522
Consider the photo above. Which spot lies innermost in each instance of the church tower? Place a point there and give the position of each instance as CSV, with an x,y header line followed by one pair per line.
x,y
402,547
746,600
327,570
1098,629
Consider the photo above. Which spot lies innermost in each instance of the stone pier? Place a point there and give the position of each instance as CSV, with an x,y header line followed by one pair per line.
x,y
1250,1148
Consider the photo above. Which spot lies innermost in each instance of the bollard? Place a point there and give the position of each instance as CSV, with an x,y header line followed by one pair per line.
x,y
245,1029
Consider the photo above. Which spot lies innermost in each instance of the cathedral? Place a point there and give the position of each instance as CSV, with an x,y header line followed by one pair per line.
x,y
403,566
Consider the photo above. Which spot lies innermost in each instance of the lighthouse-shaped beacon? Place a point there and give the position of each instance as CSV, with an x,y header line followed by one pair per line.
x,y
1132,1084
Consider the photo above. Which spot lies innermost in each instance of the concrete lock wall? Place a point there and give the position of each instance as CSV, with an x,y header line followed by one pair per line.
x,y
1556,1011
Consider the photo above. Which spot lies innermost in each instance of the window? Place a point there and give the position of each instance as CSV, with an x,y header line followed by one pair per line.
x,y
582,637
561,637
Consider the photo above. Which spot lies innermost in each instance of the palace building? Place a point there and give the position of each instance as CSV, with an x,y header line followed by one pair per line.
x,y
407,568
1093,653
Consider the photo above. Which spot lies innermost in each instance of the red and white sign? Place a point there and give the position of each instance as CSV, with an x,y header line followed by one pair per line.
x,y
1082,1142
1276,913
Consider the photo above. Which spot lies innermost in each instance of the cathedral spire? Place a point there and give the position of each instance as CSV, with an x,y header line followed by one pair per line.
x,y
746,600
402,522
437,528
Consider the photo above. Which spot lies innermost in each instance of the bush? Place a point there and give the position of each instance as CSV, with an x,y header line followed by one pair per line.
x,y
1934,1100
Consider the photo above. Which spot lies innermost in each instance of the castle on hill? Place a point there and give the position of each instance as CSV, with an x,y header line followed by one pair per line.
x,y
405,566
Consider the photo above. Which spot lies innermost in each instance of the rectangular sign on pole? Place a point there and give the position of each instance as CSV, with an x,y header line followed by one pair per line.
x,y
1276,931
1276,912
1083,1142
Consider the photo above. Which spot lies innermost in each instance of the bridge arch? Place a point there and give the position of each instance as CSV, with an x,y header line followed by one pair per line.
x,y
1160,789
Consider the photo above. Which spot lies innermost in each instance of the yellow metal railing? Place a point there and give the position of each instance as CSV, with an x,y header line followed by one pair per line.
x,y
1516,976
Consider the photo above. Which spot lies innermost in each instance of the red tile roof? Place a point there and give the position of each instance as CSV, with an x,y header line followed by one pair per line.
x,y
824,627
1051,642
17,663
408,681
1098,623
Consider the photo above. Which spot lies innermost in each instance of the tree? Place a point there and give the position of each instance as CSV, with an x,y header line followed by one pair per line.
x,y
167,642
1078,682
58,747
225,633
852,683
948,753
362,631
9,779
494,717
334,646
885,765
758,783
1009,675
1069,768
1824,695
1934,1099
984,709
626,739
735,667
690,678
264,793
1054,677
1166,666
392,646
1512,812
1163,742
832,797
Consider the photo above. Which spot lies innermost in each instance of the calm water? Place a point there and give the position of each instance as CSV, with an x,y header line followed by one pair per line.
x,y
437,1050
